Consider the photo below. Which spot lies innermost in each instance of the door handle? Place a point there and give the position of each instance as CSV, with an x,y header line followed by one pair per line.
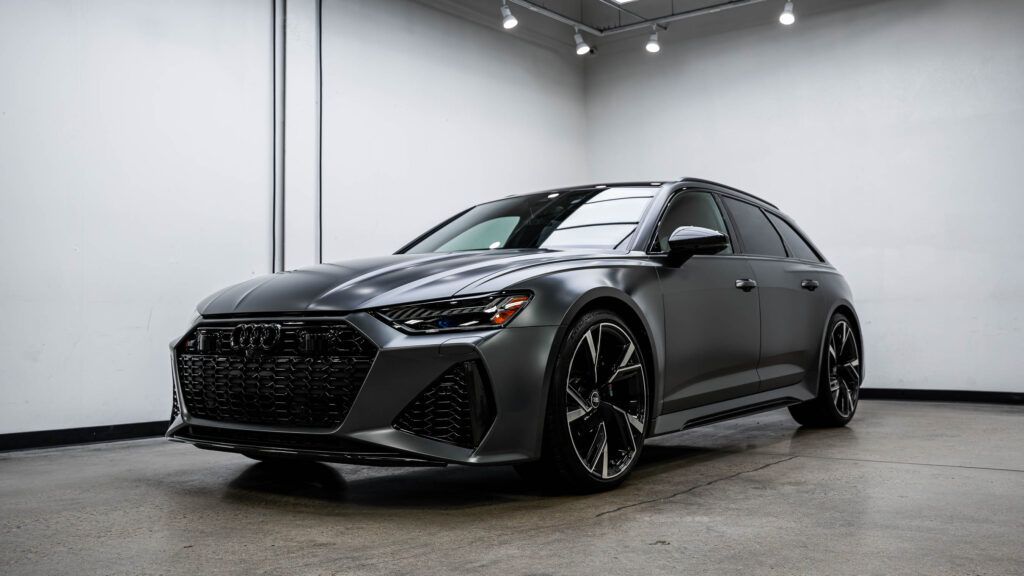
x,y
811,285
746,284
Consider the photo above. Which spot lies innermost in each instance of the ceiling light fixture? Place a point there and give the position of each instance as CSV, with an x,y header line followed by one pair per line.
x,y
787,17
652,43
508,20
582,48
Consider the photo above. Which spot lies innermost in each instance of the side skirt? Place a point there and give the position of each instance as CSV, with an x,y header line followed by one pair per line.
x,y
733,408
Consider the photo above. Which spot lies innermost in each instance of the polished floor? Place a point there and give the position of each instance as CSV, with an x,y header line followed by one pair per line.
x,y
908,488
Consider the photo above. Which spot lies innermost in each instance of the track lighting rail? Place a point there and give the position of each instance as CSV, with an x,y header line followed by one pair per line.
x,y
642,24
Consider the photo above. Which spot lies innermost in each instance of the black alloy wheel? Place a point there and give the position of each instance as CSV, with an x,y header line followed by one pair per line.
x,y
598,408
839,382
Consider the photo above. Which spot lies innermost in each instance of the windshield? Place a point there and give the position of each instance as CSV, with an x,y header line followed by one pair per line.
x,y
592,218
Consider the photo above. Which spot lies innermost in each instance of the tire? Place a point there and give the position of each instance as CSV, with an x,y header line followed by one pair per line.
x,y
839,379
597,411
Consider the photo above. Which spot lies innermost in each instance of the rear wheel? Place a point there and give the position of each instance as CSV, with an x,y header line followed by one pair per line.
x,y
597,408
839,382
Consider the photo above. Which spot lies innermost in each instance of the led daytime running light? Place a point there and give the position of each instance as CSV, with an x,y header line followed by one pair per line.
x,y
493,311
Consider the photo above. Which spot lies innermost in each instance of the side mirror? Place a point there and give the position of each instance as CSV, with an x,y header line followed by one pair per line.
x,y
690,240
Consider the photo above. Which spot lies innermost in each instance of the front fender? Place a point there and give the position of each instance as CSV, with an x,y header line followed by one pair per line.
x,y
632,291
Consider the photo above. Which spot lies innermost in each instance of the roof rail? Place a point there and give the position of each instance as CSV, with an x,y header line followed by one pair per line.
x,y
730,188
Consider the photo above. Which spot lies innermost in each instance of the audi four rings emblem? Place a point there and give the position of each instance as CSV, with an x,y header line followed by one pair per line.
x,y
255,336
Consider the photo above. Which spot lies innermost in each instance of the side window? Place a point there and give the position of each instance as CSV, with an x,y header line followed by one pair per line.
x,y
797,245
690,209
759,237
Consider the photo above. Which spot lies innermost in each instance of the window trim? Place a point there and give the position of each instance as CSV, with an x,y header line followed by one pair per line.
x,y
653,249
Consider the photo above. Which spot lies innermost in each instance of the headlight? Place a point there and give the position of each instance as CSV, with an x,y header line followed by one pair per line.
x,y
491,311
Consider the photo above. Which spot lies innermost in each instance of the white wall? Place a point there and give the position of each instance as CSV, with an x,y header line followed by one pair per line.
x,y
135,177
136,165
426,113
892,131
136,162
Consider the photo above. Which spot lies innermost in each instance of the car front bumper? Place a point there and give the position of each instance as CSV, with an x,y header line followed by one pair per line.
x,y
514,361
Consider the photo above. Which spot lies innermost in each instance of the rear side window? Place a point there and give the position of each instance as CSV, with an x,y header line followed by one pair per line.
x,y
797,245
759,237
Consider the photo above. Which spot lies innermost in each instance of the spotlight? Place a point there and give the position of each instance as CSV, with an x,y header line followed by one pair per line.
x,y
787,17
652,43
582,48
508,20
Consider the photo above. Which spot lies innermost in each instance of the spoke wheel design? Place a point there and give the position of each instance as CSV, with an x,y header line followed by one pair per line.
x,y
843,368
606,400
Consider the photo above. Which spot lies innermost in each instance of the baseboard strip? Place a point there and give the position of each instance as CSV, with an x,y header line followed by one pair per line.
x,y
943,395
67,436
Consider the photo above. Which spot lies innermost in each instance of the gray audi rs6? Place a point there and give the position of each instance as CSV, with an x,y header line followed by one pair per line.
x,y
553,331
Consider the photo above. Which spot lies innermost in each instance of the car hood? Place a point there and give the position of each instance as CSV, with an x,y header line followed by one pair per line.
x,y
372,282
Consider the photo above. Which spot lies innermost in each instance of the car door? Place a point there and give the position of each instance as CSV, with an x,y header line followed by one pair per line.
x,y
711,327
792,309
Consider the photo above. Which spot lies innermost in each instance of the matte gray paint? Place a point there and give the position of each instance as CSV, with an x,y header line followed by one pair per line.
x,y
708,355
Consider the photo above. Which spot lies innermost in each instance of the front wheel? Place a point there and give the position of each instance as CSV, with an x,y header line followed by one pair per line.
x,y
839,381
597,410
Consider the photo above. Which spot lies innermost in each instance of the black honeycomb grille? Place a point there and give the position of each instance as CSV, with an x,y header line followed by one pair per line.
x,y
307,378
456,408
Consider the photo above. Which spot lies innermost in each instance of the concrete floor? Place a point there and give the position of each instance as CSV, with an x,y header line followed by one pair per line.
x,y
908,488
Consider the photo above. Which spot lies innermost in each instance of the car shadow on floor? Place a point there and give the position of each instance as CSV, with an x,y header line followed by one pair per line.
x,y
312,480
456,487
450,487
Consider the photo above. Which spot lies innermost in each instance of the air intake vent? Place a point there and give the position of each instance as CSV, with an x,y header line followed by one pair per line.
x,y
174,404
456,408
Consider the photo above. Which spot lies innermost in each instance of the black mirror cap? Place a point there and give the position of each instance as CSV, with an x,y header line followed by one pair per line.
x,y
690,240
